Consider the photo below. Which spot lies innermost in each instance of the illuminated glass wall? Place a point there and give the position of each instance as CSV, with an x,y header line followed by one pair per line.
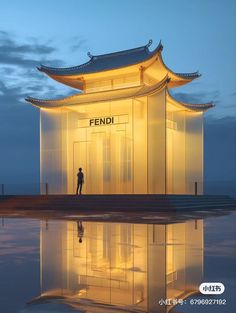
x,y
120,146
156,143
100,140
140,145
184,151
129,265
194,151
53,150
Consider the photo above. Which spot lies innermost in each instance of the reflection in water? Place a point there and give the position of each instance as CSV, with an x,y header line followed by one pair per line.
x,y
80,231
128,266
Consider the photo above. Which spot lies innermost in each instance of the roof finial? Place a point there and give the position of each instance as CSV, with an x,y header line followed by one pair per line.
x,y
89,55
149,43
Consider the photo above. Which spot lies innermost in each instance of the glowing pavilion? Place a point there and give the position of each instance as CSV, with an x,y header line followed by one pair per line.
x,y
123,127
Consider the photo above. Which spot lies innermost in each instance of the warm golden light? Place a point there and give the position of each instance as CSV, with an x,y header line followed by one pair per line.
x,y
130,265
137,145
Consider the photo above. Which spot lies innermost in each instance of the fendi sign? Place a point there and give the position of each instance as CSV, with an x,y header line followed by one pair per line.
x,y
104,120
101,121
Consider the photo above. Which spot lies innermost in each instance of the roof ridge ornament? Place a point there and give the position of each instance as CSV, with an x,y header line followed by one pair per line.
x,y
160,46
149,43
89,55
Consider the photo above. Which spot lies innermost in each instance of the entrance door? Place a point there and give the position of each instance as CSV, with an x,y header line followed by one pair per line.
x,y
79,160
105,158
90,156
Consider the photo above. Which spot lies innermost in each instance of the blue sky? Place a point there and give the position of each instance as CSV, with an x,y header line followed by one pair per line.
x,y
197,35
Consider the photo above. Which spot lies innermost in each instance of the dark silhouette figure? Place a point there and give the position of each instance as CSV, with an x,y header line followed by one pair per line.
x,y
80,231
80,181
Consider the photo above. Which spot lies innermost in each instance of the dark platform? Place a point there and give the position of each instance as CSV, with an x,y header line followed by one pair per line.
x,y
148,209
117,203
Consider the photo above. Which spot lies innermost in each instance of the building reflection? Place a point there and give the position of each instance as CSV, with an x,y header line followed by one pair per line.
x,y
125,266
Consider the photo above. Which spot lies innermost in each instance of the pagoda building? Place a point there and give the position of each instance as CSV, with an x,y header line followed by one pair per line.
x,y
123,127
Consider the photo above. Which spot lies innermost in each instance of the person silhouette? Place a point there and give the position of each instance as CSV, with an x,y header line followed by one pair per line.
x,y
80,231
80,181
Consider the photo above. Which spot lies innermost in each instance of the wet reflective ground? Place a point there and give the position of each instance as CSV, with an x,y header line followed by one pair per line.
x,y
79,263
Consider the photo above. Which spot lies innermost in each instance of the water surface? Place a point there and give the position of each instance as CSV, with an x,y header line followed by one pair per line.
x,y
79,263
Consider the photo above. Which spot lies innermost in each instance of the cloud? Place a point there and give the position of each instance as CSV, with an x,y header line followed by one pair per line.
x,y
9,46
78,43
220,149
19,122
230,105
29,54
198,97
9,95
223,105
6,70
19,77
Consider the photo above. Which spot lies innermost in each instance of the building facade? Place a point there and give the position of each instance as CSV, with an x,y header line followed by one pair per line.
x,y
124,128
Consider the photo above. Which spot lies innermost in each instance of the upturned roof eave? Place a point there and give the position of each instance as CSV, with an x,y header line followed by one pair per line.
x,y
200,107
182,76
137,91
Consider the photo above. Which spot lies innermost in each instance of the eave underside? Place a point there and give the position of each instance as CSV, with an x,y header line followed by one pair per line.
x,y
95,97
113,95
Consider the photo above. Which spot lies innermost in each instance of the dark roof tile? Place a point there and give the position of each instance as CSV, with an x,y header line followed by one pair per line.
x,y
106,61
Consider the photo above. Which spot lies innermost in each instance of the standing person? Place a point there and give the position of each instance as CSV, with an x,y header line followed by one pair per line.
x,y
80,181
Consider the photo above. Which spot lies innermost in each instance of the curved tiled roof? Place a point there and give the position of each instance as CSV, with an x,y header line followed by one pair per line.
x,y
108,61
197,107
188,75
104,62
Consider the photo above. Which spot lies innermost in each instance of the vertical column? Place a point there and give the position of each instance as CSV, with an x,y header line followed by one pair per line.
x,y
140,145
178,157
194,254
156,267
194,152
156,143
53,151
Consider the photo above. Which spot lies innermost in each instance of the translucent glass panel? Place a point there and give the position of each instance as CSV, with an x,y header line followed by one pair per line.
x,y
53,150
126,156
53,260
125,146
184,151
108,266
140,145
175,136
130,265
129,80
184,258
156,143
194,152
156,273
98,85
194,253
126,81
105,152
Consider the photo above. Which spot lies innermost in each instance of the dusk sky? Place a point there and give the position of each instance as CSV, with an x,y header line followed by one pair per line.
x,y
197,35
